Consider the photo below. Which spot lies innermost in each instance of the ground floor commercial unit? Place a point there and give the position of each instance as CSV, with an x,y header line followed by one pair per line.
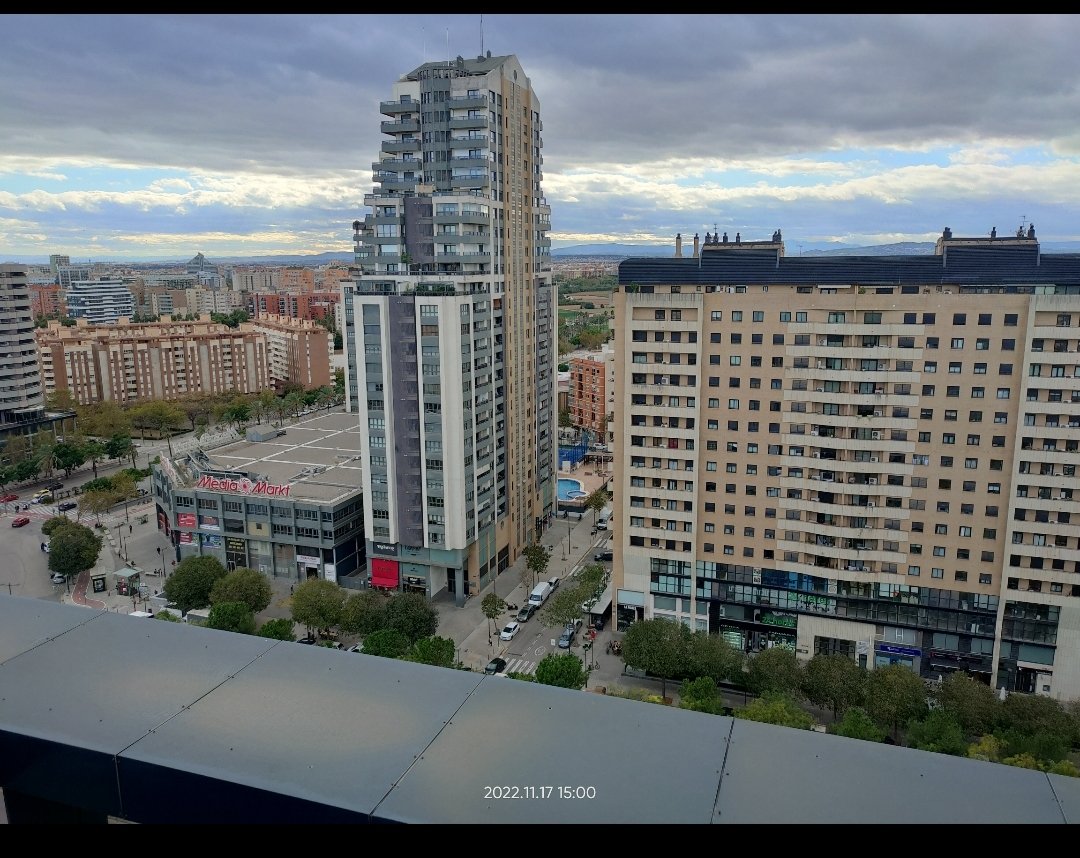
x,y
286,503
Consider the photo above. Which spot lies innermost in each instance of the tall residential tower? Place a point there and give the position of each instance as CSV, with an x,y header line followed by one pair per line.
x,y
450,330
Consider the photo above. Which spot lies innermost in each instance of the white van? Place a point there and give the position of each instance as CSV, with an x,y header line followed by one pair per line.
x,y
604,518
539,594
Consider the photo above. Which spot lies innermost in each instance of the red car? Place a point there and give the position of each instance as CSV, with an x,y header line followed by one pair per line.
x,y
9,498
21,521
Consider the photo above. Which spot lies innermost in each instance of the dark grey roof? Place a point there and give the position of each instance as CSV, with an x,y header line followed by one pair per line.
x,y
479,65
972,265
161,722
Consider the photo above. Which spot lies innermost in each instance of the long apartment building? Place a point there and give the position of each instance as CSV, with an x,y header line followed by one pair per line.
x,y
299,350
450,329
873,456
128,363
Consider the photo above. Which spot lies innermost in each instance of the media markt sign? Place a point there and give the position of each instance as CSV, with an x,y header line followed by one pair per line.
x,y
243,486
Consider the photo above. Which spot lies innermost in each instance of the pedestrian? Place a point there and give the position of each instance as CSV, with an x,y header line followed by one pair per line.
x,y
130,530
291,586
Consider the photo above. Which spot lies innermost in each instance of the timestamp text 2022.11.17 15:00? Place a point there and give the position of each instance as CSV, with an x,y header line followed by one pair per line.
x,y
531,791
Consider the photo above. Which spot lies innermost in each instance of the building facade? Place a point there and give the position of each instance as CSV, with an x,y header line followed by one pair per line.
x,y
299,350
297,518
21,394
587,398
873,456
450,329
100,302
128,363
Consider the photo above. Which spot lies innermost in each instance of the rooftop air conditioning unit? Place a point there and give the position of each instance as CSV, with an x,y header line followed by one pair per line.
x,y
870,505
817,455
822,341
875,436
877,413
872,481
814,431
873,458
821,390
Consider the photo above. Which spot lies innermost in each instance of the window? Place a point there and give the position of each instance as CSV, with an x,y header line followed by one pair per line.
x,y
1003,393
736,315
982,344
957,343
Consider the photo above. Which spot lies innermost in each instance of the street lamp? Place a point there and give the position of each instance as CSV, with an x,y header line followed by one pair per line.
x,y
120,539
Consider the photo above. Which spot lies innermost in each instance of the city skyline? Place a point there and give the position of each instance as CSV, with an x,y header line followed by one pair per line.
x,y
149,137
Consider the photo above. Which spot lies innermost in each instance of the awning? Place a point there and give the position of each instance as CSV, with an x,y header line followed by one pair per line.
x,y
603,604
384,573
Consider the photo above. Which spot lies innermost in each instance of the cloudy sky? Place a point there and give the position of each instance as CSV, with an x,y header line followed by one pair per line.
x,y
157,137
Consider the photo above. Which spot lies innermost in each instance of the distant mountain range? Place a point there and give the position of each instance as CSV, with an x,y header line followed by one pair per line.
x,y
608,251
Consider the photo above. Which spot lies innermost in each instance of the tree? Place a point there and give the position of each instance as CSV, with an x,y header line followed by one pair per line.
x,y
939,731
436,651
160,416
317,604
564,670
856,724
363,613
238,411
243,585
492,606
776,709
104,419
894,696
713,657
834,682
191,581
987,748
564,605
596,502
167,617
119,447
387,643
279,628
774,671
232,617
972,703
61,399
701,695
73,548
51,525
94,451
537,558
412,614
657,646
124,489
1033,713
96,502
67,456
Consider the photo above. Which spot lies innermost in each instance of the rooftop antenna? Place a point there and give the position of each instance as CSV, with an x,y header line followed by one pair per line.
x,y
447,47
481,35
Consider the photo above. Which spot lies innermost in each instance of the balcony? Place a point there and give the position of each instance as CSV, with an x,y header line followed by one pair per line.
x,y
395,108
400,126
462,123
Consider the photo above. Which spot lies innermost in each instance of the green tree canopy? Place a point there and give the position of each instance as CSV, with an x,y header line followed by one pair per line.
x,y
50,525
597,501
701,695
492,607
232,617
564,670
972,703
894,696
939,731
436,651
774,671
776,709
364,613
657,646
713,657
387,643
279,628
73,548
537,557
412,614
318,603
191,581
1035,713
856,724
243,585
834,682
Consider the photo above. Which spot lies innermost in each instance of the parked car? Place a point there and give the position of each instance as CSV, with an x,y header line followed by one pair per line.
x,y
55,487
509,630
66,505
602,556
496,665
21,521
308,641
42,497
9,498
526,612
554,582
57,578
566,639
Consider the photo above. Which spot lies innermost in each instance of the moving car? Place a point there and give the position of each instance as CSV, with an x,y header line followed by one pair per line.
x,y
9,498
604,555
42,497
496,665
526,612
55,487
508,632
66,505
21,521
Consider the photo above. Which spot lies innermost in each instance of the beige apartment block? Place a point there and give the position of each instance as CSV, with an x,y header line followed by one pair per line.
x,y
587,392
128,363
873,456
299,350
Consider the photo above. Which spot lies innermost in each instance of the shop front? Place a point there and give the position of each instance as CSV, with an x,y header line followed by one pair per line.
x,y
385,574
307,565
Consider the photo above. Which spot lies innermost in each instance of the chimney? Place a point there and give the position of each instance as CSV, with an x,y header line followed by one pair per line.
x,y
678,245
696,247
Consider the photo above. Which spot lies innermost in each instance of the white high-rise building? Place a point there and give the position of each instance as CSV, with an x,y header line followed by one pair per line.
x,y
450,330
20,383
100,302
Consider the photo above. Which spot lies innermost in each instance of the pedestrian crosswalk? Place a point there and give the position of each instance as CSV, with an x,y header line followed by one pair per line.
x,y
520,665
